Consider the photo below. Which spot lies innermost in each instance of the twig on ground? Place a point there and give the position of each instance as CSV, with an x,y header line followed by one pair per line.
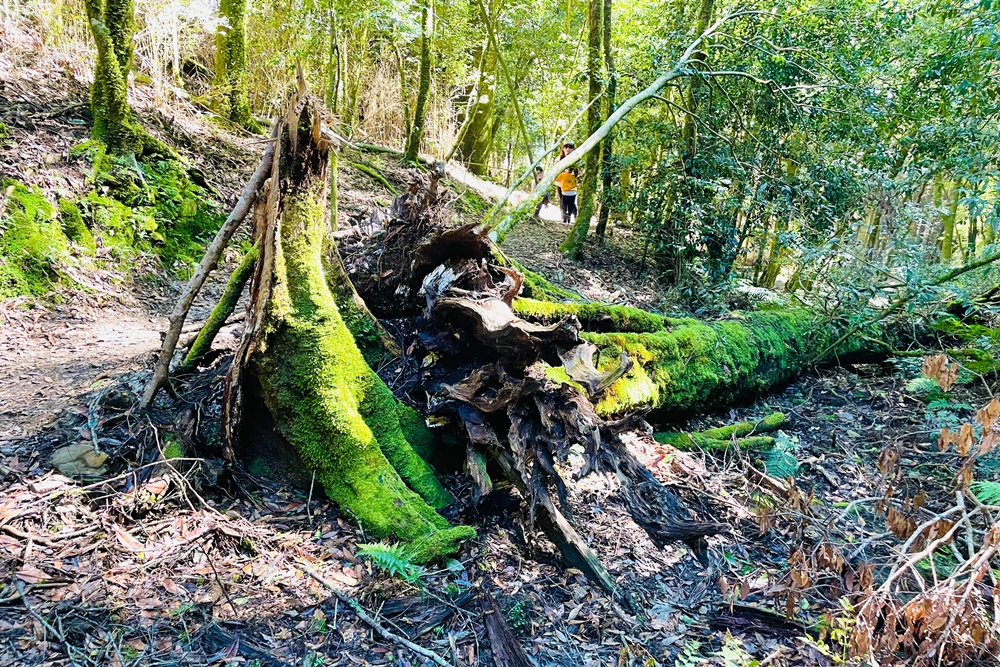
x,y
372,622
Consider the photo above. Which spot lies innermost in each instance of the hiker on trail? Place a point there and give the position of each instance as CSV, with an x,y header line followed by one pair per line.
x,y
545,199
566,182
566,149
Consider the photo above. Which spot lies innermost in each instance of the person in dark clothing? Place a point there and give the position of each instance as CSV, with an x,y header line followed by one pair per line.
x,y
545,199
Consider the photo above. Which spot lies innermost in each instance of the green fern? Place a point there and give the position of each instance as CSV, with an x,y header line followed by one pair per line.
x,y
394,559
988,493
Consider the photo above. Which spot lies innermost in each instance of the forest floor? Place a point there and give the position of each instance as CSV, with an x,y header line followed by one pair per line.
x,y
183,562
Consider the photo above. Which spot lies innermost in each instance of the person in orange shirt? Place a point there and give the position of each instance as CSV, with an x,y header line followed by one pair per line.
x,y
566,182
564,150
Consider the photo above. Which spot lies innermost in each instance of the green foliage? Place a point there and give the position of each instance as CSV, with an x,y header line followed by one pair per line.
x,y
394,559
690,655
781,461
986,492
924,387
73,226
32,243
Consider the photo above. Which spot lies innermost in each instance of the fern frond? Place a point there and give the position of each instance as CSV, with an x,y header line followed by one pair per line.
x,y
988,493
394,559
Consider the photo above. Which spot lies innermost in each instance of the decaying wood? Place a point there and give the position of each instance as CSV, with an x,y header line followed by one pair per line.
x,y
208,263
743,618
507,651
579,365
488,367
574,550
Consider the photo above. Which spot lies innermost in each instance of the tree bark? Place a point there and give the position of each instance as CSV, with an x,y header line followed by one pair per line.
x,y
416,133
325,400
588,188
607,146
477,144
231,63
112,24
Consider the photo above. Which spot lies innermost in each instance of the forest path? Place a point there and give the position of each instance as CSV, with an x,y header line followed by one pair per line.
x,y
49,357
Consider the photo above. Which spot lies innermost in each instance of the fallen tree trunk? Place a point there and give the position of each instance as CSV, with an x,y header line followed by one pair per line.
x,y
683,365
326,401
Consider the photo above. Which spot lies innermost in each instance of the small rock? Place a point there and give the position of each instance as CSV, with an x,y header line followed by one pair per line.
x,y
79,460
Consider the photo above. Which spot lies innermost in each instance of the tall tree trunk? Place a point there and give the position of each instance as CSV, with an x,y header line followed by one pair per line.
x,y
607,146
112,24
477,144
948,227
416,133
326,401
588,187
231,63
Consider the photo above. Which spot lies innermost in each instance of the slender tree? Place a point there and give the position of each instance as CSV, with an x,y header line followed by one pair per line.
x,y
476,146
588,188
607,146
112,23
416,133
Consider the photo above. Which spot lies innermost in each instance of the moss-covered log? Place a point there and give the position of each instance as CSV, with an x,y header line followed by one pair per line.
x,y
326,401
684,365
745,434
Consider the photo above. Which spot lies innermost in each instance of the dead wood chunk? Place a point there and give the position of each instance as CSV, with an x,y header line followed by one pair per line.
x,y
488,389
492,323
574,550
475,461
742,618
507,650
578,363
454,244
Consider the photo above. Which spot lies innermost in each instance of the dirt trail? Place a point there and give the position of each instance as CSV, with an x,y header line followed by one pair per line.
x,y
47,358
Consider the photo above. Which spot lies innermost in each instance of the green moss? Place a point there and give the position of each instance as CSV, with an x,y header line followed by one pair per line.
x,y
328,403
592,315
173,448
694,441
32,242
768,424
223,309
417,433
469,204
537,286
697,365
73,226
375,175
